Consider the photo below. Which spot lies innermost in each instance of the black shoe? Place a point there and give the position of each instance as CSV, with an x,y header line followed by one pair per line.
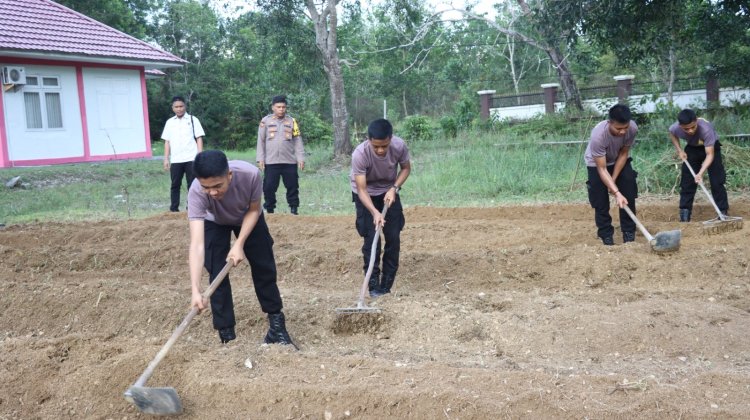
x,y
374,283
174,210
269,211
685,215
628,237
376,293
293,210
226,335
608,241
277,333
386,283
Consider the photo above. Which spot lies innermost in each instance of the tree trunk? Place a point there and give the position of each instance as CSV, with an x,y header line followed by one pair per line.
x,y
567,82
325,22
342,145
403,101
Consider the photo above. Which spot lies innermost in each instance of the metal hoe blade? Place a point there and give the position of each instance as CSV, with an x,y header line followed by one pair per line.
x,y
666,241
359,309
663,241
721,225
158,401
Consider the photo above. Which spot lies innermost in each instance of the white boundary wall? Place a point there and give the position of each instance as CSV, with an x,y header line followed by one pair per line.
x,y
639,103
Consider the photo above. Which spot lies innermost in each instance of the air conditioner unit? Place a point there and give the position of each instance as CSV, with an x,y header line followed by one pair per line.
x,y
13,75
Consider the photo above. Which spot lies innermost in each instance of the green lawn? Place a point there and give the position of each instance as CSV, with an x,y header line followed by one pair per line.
x,y
474,169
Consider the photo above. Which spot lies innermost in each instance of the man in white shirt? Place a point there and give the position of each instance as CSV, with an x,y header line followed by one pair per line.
x,y
183,139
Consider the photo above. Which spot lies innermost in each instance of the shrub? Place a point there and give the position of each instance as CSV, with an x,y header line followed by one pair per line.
x,y
314,129
417,128
466,109
449,126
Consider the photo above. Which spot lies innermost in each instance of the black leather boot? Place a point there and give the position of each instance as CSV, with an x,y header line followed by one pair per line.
x,y
226,335
628,237
373,285
293,210
685,215
277,333
608,240
387,283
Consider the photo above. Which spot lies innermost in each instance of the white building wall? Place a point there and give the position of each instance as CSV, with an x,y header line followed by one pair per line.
x,y
114,111
36,144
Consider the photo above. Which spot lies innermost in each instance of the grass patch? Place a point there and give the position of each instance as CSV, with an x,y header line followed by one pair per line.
x,y
478,169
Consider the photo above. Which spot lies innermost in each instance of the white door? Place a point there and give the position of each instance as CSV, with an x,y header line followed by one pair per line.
x,y
114,109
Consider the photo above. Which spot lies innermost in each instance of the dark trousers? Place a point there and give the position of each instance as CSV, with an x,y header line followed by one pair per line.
x,y
599,199
394,223
259,253
716,174
288,173
176,172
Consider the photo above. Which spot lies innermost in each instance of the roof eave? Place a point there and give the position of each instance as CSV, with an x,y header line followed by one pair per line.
x,y
44,55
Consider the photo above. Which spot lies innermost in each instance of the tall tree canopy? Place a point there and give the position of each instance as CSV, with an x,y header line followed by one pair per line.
x,y
338,62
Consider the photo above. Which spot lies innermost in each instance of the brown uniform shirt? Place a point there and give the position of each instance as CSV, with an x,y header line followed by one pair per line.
x,y
279,141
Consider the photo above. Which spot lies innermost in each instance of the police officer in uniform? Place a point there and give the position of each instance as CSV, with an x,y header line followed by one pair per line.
x,y
280,153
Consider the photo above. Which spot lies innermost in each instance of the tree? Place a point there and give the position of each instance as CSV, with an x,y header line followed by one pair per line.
x,y
324,17
553,29
520,62
267,53
325,21
192,31
556,25
128,16
722,32
638,31
402,59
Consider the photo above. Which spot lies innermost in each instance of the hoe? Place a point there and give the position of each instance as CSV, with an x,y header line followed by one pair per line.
x,y
663,241
723,223
165,401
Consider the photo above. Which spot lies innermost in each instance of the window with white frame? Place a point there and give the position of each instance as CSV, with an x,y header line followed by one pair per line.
x,y
41,97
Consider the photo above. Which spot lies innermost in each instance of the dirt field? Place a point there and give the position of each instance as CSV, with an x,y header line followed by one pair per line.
x,y
508,312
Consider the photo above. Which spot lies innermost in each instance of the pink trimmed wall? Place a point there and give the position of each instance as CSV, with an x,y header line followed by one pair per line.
x,y
5,161
146,126
82,110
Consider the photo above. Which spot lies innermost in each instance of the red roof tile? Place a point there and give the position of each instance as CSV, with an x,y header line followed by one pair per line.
x,y
45,26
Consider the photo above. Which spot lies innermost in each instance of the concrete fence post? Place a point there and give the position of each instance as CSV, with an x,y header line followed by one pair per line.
x,y
624,87
485,102
550,97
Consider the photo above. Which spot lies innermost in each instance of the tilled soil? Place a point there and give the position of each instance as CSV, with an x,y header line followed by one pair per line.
x,y
506,312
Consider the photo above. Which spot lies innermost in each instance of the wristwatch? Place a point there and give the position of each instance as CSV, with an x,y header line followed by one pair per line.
x,y
397,188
